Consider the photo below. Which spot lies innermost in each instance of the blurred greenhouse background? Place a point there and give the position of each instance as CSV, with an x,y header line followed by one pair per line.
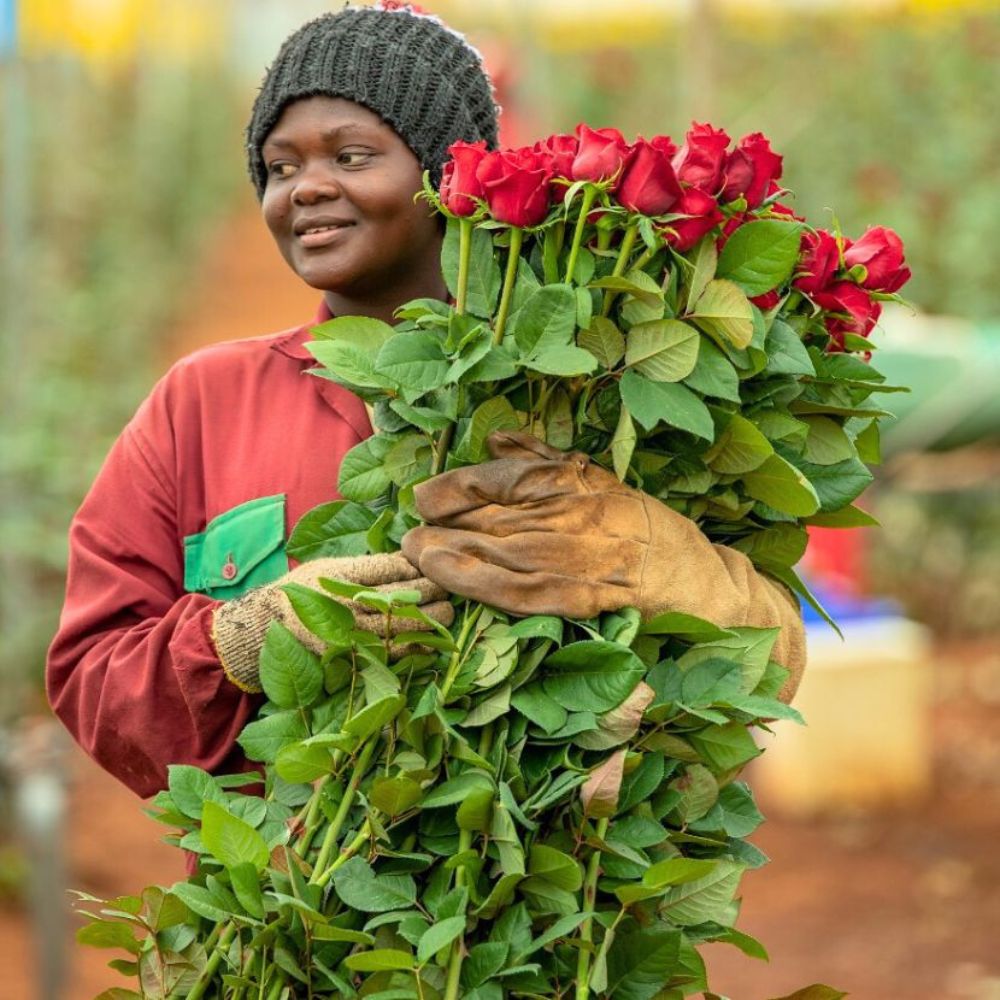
x,y
128,236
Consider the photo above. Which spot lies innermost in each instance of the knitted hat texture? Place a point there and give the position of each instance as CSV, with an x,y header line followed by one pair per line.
x,y
421,77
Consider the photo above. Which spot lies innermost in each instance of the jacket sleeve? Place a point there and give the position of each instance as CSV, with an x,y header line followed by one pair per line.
x,y
132,671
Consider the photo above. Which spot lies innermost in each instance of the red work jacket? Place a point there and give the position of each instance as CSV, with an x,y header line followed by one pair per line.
x,y
192,505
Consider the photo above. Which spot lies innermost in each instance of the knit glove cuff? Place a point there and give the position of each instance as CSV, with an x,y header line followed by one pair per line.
x,y
239,628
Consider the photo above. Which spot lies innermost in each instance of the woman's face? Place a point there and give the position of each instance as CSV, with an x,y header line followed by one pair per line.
x,y
339,203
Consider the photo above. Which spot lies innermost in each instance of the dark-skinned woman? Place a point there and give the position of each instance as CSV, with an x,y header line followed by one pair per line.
x,y
177,553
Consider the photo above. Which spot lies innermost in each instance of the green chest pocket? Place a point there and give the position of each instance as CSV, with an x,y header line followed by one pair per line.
x,y
242,548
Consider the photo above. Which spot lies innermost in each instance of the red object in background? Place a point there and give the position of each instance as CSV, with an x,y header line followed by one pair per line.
x,y
836,559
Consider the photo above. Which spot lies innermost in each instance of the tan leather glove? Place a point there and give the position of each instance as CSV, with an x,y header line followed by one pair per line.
x,y
540,531
240,626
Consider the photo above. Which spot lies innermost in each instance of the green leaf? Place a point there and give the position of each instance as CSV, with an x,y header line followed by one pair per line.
x,y
201,901
714,374
690,628
360,888
726,313
163,910
665,350
496,414
262,739
640,962
725,747
245,880
424,417
827,442
545,712
415,362
109,934
566,361
476,810
483,286
538,626
837,485
761,255
322,615
373,717
230,840
289,673
636,283
456,789
740,448
439,935
380,960
191,787
815,992
299,764
604,340
484,961
704,899
623,443
593,675
362,476
781,545
556,867
394,795
786,354
748,945
408,459
675,871
546,320
699,791
735,813
332,529
782,486
705,260
348,348
494,367
673,404
846,517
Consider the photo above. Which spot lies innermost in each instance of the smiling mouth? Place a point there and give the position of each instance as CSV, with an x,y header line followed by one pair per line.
x,y
320,236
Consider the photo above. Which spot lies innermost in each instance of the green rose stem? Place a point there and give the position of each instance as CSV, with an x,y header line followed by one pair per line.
x,y
516,239
333,831
624,253
226,936
464,255
589,194
586,929
464,843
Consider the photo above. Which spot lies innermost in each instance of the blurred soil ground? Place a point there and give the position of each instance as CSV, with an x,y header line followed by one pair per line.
x,y
899,904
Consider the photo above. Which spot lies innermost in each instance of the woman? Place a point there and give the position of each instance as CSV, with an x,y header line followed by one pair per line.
x,y
176,550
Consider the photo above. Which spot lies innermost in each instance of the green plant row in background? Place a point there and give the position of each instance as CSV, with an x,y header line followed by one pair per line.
x,y
120,178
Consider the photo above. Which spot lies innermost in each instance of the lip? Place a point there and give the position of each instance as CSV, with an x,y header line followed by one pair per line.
x,y
329,229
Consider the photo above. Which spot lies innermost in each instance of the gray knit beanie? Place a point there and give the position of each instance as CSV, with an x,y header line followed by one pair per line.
x,y
418,75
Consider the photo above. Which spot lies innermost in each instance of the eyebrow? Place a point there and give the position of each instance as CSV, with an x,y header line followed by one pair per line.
x,y
327,134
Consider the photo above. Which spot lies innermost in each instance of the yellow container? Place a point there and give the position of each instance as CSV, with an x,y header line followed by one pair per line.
x,y
866,743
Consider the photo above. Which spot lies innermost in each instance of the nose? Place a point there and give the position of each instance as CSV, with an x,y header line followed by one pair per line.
x,y
316,181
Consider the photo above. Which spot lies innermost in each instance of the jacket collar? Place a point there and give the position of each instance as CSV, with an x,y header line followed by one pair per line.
x,y
293,343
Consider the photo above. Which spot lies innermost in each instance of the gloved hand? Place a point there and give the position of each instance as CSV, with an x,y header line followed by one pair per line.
x,y
540,531
240,626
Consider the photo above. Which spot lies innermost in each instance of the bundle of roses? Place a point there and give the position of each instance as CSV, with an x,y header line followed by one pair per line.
x,y
538,807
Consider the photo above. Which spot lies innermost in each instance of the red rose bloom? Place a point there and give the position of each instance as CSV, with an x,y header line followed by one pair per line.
x,y
700,161
600,155
768,300
561,151
516,186
750,169
459,183
861,311
880,251
703,216
648,185
818,263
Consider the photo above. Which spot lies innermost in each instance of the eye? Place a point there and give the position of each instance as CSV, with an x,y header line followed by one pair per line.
x,y
280,168
354,157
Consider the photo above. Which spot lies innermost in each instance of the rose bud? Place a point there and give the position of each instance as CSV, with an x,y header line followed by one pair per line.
x,y
749,170
861,311
648,185
700,160
703,216
516,186
880,252
818,263
600,154
459,183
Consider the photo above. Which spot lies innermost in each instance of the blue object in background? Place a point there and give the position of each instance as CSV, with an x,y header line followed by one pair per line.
x,y
844,608
8,27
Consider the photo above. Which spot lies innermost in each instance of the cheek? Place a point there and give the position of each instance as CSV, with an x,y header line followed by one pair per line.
x,y
275,211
